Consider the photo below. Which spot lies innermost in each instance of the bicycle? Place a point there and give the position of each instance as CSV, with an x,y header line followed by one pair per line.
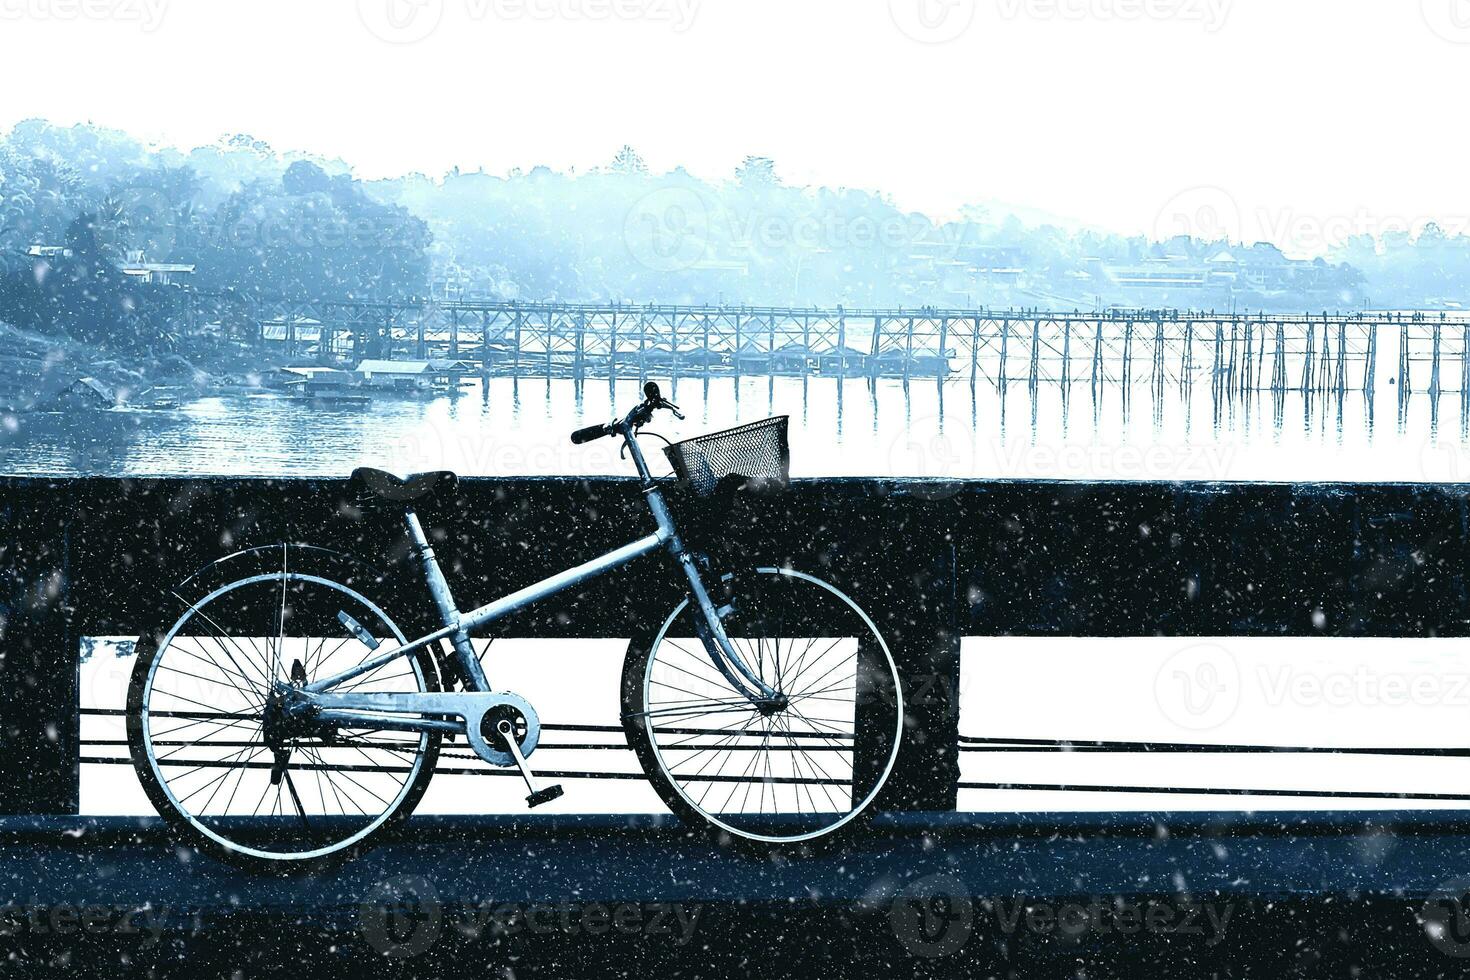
x,y
284,720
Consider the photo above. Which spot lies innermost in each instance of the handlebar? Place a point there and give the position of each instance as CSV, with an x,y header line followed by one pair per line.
x,y
590,433
652,399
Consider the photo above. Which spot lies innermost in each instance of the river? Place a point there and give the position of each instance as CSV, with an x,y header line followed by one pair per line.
x,y
853,427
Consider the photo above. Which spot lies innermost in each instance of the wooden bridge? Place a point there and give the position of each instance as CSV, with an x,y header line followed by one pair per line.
x,y
1233,353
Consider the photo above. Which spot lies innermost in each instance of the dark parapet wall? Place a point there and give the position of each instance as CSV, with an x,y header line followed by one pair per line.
x,y
1212,560
931,562
39,647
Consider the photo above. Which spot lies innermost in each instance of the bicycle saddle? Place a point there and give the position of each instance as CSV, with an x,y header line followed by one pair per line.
x,y
370,485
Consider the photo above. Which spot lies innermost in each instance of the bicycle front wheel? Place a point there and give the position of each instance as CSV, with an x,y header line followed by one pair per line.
x,y
252,791
768,776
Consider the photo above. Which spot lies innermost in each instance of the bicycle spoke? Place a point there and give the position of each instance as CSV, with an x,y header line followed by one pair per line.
x,y
296,798
220,636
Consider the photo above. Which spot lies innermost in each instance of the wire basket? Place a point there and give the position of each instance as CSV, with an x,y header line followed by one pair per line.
x,y
757,452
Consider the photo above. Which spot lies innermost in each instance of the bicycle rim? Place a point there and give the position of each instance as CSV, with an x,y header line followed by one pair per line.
x,y
795,775
201,730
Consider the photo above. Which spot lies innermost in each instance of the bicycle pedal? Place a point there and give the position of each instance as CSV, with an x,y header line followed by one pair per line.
x,y
544,796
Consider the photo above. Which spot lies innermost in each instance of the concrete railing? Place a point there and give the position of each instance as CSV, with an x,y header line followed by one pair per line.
x,y
931,561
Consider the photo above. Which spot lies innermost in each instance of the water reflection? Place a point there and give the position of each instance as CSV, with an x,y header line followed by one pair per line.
x,y
902,427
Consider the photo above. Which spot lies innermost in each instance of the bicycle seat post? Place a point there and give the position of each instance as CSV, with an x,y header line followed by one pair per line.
x,y
471,672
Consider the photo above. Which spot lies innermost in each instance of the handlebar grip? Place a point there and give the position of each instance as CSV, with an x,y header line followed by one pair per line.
x,y
590,433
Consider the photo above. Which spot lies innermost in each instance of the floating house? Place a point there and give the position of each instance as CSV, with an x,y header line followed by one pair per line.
x,y
793,358
323,384
841,359
413,375
893,363
154,273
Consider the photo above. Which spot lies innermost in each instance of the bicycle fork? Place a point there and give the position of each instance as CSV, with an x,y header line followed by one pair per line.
x,y
709,621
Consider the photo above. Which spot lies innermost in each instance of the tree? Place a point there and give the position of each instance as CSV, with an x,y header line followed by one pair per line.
x,y
303,177
755,172
629,163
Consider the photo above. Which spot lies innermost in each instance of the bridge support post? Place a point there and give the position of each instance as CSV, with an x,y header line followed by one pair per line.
x,y
485,351
515,369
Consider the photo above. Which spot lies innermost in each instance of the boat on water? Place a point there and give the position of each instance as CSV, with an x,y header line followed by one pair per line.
x,y
333,398
430,378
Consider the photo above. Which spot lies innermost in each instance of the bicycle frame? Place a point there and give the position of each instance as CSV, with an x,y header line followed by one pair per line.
x,y
368,710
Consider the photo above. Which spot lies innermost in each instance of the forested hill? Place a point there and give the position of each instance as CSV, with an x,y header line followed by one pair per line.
x,y
247,217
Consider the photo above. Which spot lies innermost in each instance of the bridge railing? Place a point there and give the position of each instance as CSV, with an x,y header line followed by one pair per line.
x,y
1242,351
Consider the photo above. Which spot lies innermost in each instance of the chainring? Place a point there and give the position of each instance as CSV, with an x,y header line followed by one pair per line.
x,y
485,739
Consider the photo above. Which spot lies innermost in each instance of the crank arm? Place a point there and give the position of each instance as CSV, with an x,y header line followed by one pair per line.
x,y
536,796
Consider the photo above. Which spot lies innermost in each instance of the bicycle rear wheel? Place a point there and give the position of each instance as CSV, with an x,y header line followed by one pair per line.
x,y
795,775
224,771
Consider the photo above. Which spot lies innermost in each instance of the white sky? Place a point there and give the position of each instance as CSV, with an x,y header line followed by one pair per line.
x,y
1287,120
